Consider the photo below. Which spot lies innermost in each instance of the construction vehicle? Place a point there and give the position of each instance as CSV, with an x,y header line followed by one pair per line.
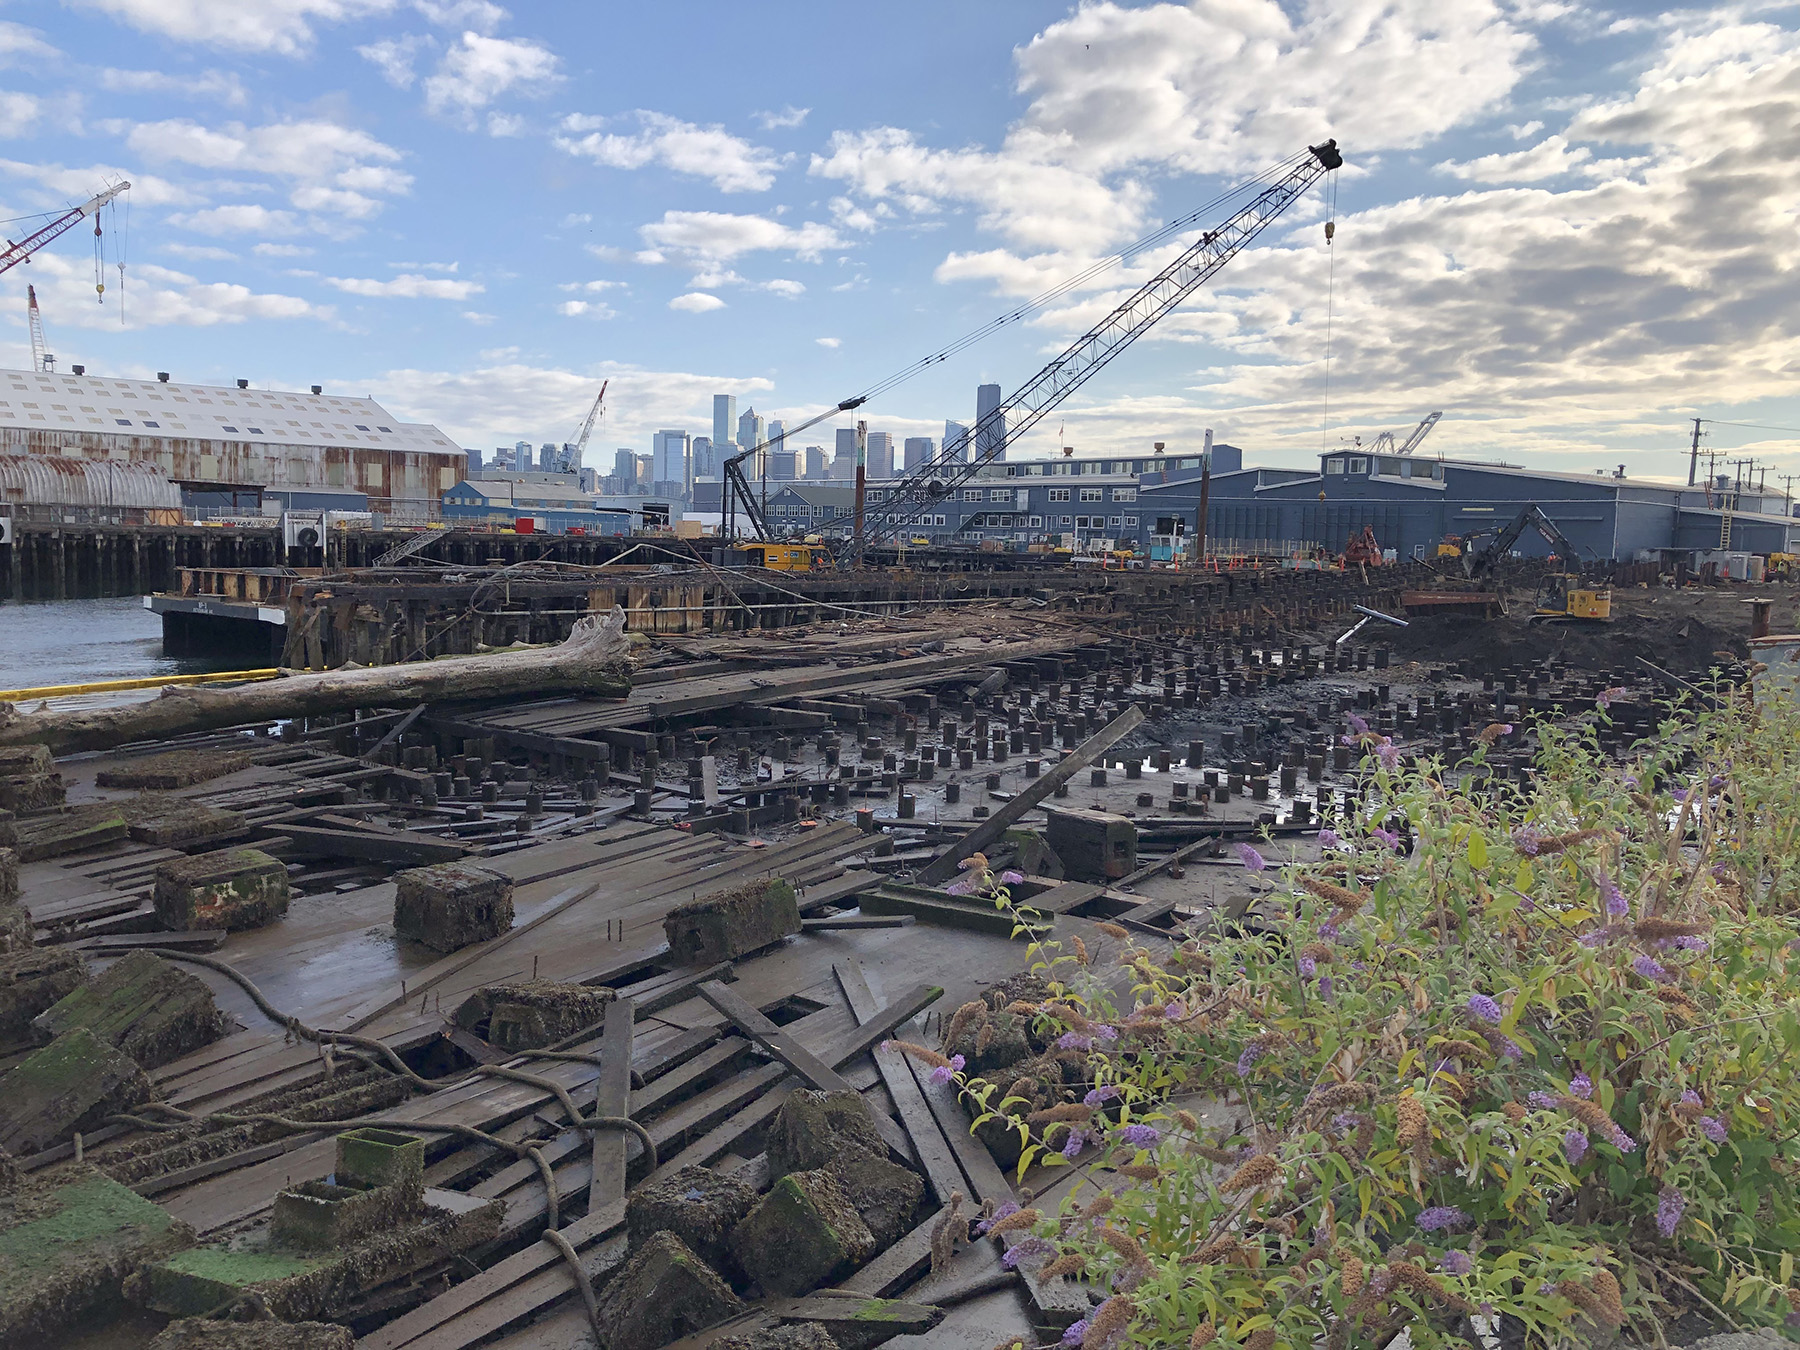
x,y
1363,549
786,557
1450,546
1563,597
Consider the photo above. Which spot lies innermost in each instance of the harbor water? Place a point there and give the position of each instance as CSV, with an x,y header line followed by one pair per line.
x,y
53,642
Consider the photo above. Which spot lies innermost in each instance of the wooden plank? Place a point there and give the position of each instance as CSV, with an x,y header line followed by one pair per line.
x,y
797,1057
842,922
900,1264
933,1153
994,826
612,1097
405,848
1061,899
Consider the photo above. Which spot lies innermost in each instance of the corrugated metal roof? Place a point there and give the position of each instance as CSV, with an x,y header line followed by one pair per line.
x,y
51,480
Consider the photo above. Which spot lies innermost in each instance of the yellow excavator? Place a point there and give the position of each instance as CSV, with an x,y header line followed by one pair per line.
x,y
1564,597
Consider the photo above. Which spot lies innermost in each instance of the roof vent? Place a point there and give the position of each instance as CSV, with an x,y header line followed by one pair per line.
x,y
163,376
243,384
79,370
318,389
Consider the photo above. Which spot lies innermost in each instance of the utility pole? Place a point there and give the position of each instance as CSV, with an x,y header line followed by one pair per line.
x,y
1694,453
862,475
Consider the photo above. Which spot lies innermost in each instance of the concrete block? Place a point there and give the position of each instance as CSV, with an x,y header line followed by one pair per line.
x,y
697,1204
376,1157
663,1293
31,980
886,1194
803,1234
788,1336
149,1008
447,906
811,1128
991,1040
321,1216
54,836
73,1083
726,924
233,888
65,1252
1093,845
28,778
173,769
532,1013
179,824
201,1333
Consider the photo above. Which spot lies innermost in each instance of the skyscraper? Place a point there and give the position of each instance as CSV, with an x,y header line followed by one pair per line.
x,y
474,462
814,470
701,460
750,431
956,440
881,454
669,470
990,438
781,466
724,419
918,450
625,469
546,458
843,462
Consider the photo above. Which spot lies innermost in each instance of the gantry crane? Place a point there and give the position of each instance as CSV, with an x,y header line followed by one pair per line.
x,y
20,252
933,481
568,459
1383,444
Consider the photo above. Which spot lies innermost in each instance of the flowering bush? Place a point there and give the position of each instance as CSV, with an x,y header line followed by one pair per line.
x,y
1523,1052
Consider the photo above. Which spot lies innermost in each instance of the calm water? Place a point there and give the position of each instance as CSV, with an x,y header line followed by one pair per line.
x,y
74,641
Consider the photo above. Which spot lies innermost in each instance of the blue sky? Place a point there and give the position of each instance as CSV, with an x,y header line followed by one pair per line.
x,y
1571,228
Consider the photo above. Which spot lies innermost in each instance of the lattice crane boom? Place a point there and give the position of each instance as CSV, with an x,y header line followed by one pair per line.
x,y
938,477
41,360
14,254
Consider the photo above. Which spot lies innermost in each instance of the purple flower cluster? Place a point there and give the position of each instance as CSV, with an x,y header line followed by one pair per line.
x,y
1074,1040
1485,1008
1387,837
1606,696
1139,1136
1252,860
1441,1218
1689,943
1388,753
1575,1145
1670,1206
1011,877
1649,969
1617,906
1106,1092
1581,1086
1328,838
1073,1145
1102,1032
944,1072
1543,1101
1307,967
1360,727
1004,1208
1076,1334
1714,1129
1024,1247
1252,1052
1456,1263
1325,988
1527,840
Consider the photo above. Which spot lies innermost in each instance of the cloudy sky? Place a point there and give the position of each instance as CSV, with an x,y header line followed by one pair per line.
x,y
1570,227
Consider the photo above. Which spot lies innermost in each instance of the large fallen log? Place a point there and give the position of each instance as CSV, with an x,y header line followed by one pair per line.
x,y
593,660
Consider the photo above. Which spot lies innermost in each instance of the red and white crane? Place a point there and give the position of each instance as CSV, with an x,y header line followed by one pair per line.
x,y
20,252
41,360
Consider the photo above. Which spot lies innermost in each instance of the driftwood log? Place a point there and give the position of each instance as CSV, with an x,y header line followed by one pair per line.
x,y
592,660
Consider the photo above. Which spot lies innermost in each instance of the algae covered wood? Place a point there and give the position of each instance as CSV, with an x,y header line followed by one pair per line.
x,y
145,1006
592,660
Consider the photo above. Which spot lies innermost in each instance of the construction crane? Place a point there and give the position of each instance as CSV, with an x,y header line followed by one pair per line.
x,y
934,480
21,252
568,459
1563,597
1384,444
41,360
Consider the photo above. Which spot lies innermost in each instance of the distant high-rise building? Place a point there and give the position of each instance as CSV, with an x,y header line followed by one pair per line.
x,y
589,479
750,432
992,436
546,458
956,441
777,440
474,461
625,468
781,466
918,450
843,461
814,469
881,454
724,419
703,462
642,466
669,469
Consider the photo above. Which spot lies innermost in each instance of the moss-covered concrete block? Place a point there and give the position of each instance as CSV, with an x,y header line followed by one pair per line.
x,y
698,1205
531,1014
73,1083
180,824
319,1216
377,1157
804,1233
449,905
28,778
662,1293
65,1252
54,836
231,888
811,1128
151,1009
200,1333
31,980
726,924
195,1282
886,1194
173,769
26,759
789,1336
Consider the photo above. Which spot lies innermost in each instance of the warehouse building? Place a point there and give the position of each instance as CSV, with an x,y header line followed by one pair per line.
x,y
551,506
226,447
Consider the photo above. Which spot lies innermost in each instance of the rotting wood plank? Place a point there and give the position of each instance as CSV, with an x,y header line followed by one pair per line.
x,y
996,825
612,1097
797,1057
402,848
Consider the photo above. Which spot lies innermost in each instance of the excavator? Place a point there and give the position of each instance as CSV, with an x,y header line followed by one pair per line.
x,y
1563,598
1363,549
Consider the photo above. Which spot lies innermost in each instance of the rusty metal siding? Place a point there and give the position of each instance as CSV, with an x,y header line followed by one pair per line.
x,y
54,480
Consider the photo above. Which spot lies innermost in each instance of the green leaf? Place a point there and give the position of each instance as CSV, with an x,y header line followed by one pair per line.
x,y
1478,855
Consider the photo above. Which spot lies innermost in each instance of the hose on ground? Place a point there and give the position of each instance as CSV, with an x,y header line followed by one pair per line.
x,y
583,1285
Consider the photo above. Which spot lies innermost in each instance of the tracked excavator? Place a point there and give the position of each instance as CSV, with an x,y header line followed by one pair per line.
x,y
1564,597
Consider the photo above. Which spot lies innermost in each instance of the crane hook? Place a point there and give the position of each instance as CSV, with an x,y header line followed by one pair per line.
x,y
1330,230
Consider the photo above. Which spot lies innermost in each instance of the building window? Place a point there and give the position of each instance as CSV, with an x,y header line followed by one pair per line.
x,y
1037,522
1000,494
229,428
1124,494
1062,520
256,431
1334,466
1090,494
1131,522
387,429
1059,494
1117,521
1357,464
153,424
971,494
122,421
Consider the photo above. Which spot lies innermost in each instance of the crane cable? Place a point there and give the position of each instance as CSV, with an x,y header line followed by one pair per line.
x,y
1330,297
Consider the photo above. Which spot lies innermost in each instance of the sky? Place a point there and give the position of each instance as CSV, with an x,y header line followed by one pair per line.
x,y
1572,228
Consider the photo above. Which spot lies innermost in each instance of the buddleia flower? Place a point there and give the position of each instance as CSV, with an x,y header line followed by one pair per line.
x,y
1575,1145
1670,1205
1485,1008
1441,1217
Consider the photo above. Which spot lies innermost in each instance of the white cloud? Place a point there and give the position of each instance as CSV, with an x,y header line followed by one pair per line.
x,y
426,267
409,286
696,302
575,218
200,252
222,85
156,297
592,309
832,343
783,286
333,168
20,45
1551,157
394,57
476,70
283,251
479,319
730,162
18,113
284,27
715,236
591,287
500,124
79,184
238,218
481,15
788,117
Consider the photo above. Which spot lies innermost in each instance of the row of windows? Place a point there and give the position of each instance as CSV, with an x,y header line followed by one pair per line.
x,y
1064,468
